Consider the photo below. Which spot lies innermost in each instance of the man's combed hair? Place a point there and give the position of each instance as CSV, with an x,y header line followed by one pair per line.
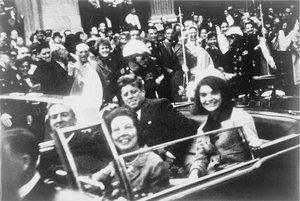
x,y
130,79
22,141
49,106
152,27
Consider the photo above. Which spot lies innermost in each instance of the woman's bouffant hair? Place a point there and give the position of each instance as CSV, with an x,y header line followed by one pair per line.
x,y
217,84
122,111
102,41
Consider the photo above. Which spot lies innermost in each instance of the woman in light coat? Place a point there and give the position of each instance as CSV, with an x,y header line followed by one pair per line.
x,y
220,150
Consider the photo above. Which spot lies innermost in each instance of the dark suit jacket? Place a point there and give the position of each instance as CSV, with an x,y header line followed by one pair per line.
x,y
90,153
52,77
160,123
41,192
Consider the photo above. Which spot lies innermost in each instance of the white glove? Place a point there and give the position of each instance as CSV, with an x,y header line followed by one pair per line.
x,y
6,120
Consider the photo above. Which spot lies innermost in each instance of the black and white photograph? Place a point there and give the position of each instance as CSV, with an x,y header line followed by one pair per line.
x,y
150,100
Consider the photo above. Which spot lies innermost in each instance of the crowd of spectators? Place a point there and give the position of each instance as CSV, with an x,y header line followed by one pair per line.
x,y
241,45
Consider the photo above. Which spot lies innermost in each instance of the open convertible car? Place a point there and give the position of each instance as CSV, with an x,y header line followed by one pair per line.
x,y
73,153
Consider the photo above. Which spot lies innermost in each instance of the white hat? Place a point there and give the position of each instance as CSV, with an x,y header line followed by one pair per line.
x,y
190,89
211,72
234,30
135,47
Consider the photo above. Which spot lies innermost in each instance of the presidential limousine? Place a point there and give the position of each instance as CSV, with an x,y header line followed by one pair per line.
x,y
70,156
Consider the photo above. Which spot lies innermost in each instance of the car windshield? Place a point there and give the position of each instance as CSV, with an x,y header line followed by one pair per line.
x,y
97,159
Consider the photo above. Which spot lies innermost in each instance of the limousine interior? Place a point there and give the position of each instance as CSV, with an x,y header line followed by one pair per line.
x,y
271,173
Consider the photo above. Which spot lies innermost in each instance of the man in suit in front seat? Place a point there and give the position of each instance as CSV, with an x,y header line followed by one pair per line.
x,y
22,150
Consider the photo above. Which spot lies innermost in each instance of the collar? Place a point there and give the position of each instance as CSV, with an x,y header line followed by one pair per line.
x,y
74,56
140,160
138,113
25,189
212,124
61,64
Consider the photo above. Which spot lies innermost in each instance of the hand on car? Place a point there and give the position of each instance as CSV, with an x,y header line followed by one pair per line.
x,y
228,76
108,171
6,120
194,174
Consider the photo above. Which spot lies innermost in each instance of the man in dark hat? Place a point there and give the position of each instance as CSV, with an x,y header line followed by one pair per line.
x,y
57,38
40,35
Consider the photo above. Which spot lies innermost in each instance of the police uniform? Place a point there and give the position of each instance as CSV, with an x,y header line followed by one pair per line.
x,y
8,80
239,62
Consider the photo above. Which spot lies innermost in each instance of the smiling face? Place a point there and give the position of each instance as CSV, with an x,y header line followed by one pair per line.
x,y
224,27
124,134
104,50
210,99
203,33
192,34
212,41
153,34
249,29
132,96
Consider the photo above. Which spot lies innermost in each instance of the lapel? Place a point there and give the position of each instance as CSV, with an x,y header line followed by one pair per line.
x,y
168,48
146,113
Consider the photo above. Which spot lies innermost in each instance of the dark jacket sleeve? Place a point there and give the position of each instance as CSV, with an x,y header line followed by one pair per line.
x,y
178,125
